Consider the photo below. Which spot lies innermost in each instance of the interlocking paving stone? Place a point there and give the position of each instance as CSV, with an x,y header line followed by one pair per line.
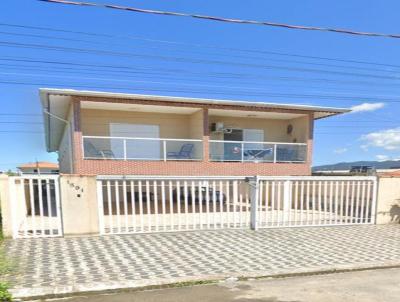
x,y
61,262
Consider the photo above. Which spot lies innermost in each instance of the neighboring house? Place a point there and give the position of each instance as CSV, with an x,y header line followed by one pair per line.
x,y
40,167
105,133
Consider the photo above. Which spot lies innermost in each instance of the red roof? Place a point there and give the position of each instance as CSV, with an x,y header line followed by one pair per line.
x,y
40,165
395,173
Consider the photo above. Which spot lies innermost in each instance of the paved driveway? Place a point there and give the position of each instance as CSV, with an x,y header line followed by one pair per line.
x,y
63,265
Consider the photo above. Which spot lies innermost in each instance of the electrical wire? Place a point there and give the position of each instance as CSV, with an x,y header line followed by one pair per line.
x,y
222,19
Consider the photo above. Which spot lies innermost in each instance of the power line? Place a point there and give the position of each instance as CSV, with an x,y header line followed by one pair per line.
x,y
162,71
276,95
214,53
187,60
242,88
195,45
222,19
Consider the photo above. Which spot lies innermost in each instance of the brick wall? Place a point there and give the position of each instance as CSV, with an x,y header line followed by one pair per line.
x,y
121,167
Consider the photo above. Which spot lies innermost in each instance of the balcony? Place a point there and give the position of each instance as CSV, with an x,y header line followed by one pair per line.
x,y
166,149
134,148
263,152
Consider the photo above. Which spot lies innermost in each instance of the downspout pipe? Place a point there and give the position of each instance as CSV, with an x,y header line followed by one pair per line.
x,y
68,124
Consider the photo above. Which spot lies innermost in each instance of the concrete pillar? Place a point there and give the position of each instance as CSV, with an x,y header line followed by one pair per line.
x,y
79,205
253,184
388,201
206,136
5,206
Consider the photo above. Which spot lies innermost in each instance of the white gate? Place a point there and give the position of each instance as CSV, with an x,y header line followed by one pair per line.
x,y
315,201
35,206
157,204
136,205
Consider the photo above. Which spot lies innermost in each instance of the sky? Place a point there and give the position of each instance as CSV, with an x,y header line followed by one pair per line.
x,y
59,46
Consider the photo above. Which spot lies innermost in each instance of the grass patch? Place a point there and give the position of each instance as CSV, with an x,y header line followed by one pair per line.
x,y
5,295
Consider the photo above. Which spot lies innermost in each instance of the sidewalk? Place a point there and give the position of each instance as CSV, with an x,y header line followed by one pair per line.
x,y
66,265
367,286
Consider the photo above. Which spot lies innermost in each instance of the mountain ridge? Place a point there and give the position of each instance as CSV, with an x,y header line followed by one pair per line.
x,y
387,164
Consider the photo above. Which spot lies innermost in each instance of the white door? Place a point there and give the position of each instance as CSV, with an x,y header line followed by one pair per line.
x,y
254,135
136,148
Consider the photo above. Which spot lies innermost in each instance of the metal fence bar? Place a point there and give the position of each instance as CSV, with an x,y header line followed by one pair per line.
x,y
100,207
221,206
58,207
40,193
178,202
141,206
33,209
185,192
208,203
116,192
363,203
155,191
341,202
374,201
133,205
200,202
110,213
25,225
347,203
368,203
125,201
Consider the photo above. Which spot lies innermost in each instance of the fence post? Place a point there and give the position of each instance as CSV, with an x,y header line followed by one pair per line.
x,y
242,151
286,195
374,200
100,206
164,150
124,141
254,195
13,201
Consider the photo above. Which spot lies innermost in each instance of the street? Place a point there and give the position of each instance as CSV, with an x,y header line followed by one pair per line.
x,y
381,285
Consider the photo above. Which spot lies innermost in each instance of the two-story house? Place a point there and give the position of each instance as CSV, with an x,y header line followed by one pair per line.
x,y
105,133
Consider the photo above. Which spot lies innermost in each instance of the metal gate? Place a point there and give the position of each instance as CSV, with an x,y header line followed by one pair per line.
x,y
157,204
35,206
315,201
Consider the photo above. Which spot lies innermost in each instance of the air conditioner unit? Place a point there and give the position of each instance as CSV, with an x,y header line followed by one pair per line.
x,y
219,126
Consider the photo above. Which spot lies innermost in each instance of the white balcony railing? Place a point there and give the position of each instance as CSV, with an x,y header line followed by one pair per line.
x,y
134,148
246,151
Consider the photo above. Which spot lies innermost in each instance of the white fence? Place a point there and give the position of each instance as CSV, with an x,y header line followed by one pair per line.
x,y
35,206
314,201
157,204
135,205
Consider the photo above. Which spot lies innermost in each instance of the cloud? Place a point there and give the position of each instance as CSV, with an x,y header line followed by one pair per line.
x,y
381,157
366,107
388,139
340,150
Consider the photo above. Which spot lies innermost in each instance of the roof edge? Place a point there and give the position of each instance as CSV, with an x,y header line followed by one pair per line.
x,y
72,92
